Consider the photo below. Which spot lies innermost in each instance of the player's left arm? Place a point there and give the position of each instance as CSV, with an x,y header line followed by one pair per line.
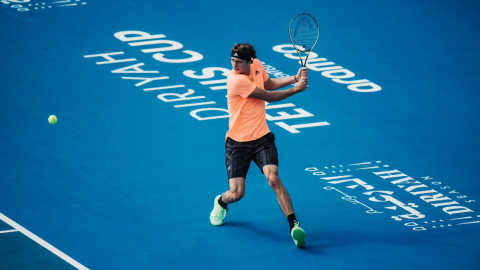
x,y
277,83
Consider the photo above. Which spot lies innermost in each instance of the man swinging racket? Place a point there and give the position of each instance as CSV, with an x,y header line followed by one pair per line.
x,y
249,138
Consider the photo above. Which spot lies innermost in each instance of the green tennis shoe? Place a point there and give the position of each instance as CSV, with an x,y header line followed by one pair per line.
x,y
218,213
298,235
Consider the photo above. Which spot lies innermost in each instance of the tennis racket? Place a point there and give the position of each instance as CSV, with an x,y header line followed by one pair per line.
x,y
303,31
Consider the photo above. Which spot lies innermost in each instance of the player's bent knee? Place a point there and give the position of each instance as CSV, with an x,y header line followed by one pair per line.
x,y
273,181
237,196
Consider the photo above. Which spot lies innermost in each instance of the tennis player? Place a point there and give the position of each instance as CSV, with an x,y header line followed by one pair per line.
x,y
249,137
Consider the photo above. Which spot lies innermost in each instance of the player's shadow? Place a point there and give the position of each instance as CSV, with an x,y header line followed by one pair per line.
x,y
319,242
283,238
259,231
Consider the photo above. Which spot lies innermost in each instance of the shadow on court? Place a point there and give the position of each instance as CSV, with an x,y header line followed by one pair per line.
x,y
259,231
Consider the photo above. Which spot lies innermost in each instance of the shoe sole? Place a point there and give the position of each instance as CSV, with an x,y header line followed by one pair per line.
x,y
216,223
299,236
219,223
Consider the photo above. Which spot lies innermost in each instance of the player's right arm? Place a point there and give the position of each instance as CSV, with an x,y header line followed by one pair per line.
x,y
277,83
273,96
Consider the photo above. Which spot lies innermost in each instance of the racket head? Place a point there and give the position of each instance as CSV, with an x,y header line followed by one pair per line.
x,y
303,31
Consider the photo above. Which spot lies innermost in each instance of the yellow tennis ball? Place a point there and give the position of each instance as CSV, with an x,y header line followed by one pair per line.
x,y
52,119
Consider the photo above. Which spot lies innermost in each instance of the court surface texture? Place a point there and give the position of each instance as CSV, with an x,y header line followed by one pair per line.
x,y
379,154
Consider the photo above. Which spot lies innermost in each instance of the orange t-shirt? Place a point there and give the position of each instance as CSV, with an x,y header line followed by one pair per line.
x,y
247,115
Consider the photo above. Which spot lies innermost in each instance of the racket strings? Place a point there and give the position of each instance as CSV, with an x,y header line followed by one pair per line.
x,y
304,32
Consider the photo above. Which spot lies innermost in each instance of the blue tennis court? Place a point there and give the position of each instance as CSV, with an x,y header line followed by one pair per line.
x,y
379,154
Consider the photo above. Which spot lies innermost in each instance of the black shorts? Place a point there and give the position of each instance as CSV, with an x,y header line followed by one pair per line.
x,y
239,155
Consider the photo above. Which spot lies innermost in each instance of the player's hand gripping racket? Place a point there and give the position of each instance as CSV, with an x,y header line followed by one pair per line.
x,y
303,31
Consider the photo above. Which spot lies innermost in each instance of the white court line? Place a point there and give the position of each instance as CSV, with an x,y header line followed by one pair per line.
x,y
367,168
364,163
460,218
42,242
164,87
67,5
194,104
469,222
8,231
